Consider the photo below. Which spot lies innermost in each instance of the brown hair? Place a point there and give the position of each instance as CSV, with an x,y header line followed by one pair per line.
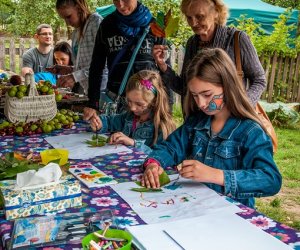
x,y
158,100
42,26
64,47
83,8
216,67
219,7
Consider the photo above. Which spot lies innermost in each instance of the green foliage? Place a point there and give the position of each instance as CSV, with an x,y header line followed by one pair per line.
x,y
279,41
282,114
285,3
10,166
276,202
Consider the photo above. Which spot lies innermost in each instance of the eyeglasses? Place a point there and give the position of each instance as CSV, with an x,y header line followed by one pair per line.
x,y
46,34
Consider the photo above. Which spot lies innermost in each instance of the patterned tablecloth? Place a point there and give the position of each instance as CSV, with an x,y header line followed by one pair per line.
x,y
123,167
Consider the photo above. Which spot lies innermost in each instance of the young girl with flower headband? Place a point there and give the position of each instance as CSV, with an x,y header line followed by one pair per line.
x,y
148,120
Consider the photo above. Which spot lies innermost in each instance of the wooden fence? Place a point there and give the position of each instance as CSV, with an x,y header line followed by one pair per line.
x,y
282,73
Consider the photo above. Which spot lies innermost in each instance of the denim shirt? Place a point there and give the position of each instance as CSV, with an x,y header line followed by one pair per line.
x,y
241,149
142,135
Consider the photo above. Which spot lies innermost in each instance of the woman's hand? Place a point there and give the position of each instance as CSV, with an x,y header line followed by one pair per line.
x,y
150,178
66,81
195,170
120,138
158,53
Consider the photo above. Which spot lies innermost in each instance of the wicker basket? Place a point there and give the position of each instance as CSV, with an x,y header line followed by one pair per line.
x,y
32,107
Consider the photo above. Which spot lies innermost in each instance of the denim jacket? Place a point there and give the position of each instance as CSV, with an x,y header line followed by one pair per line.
x,y
242,149
142,135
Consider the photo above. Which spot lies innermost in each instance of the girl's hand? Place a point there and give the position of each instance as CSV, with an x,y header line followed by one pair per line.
x,y
158,53
120,138
89,113
66,81
150,178
195,170
95,122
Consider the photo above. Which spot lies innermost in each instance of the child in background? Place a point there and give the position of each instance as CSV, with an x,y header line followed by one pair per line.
x,y
148,120
62,55
223,138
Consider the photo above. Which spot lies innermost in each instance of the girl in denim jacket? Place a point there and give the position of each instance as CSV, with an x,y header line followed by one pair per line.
x,y
222,142
148,120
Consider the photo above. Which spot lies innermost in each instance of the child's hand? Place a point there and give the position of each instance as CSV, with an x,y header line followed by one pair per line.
x,y
95,122
151,175
195,170
120,138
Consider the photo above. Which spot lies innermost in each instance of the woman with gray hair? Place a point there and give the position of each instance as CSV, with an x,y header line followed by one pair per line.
x,y
207,18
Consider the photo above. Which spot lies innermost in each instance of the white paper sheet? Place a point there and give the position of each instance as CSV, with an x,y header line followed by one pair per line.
x,y
78,149
220,231
179,200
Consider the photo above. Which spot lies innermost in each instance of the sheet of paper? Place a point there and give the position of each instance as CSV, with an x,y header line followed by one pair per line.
x,y
219,231
179,199
78,149
91,176
211,231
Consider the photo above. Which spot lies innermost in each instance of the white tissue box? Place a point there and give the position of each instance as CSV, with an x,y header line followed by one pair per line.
x,y
23,203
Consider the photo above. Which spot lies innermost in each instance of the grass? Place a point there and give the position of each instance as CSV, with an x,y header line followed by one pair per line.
x,y
285,206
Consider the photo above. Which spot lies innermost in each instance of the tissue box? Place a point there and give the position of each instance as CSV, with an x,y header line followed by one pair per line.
x,y
41,200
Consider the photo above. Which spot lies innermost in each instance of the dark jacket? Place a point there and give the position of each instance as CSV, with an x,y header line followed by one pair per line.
x,y
109,42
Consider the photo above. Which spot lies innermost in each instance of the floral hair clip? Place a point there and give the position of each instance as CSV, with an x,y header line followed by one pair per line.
x,y
148,84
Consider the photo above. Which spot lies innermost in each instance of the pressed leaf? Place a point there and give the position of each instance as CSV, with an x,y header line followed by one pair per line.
x,y
143,189
164,179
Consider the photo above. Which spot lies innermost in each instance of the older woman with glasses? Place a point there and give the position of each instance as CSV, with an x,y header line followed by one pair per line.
x,y
207,18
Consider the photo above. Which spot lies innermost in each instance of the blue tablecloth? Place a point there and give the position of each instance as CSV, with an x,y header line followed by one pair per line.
x,y
124,167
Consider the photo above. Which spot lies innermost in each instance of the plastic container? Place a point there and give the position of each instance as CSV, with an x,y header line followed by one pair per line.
x,y
112,233
55,154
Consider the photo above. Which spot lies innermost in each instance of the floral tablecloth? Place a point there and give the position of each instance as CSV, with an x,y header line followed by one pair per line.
x,y
123,167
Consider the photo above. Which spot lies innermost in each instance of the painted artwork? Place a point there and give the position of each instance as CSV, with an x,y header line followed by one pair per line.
x,y
91,176
180,199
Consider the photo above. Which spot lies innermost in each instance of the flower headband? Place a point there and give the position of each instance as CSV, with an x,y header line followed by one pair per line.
x,y
148,84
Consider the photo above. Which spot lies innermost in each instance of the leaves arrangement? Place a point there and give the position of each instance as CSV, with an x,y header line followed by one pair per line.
x,y
165,25
97,141
12,164
163,180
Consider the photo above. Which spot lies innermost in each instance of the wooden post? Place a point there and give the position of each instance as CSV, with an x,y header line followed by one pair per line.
x,y
278,78
12,55
283,92
297,80
272,78
268,59
290,81
2,53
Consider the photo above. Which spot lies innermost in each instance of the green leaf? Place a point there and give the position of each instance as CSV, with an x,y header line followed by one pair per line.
x,y
164,179
143,189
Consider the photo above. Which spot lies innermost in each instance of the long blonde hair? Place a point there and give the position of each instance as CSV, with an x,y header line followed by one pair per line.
x,y
218,5
216,67
158,100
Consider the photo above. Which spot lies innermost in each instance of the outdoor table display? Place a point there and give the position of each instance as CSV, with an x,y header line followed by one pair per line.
x,y
123,167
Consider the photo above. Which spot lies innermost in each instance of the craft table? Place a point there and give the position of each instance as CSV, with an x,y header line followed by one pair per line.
x,y
123,167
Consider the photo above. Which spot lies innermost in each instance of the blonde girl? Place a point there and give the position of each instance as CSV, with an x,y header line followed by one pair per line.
x,y
148,120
